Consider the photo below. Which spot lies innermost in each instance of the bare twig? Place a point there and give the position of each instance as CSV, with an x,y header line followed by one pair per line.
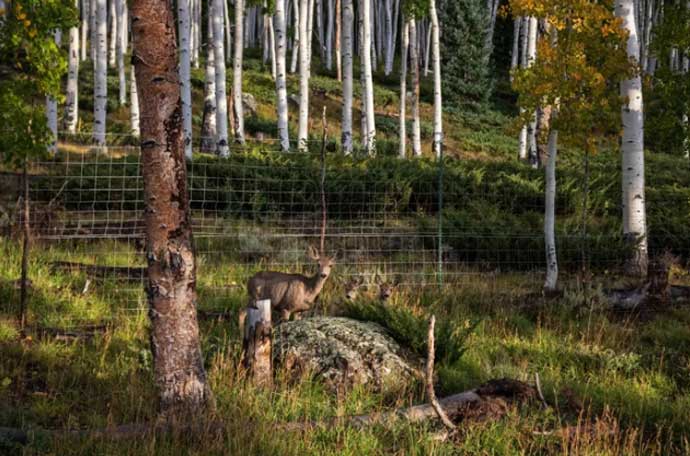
x,y
323,180
430,378
537,383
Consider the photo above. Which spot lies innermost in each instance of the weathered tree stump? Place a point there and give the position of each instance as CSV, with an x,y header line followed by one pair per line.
x,y
257,343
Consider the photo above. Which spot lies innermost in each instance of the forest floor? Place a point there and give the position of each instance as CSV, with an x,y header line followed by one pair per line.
x,y
622,379
84,363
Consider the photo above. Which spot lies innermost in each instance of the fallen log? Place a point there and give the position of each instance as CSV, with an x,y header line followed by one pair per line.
x,y
487,402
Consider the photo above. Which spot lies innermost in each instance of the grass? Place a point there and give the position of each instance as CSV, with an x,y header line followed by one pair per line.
x,y
627,372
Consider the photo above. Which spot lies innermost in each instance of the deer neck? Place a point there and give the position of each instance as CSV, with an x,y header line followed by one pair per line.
x,y
315,285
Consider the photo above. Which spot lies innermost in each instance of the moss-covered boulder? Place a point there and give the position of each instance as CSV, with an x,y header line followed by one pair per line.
x,y
343,353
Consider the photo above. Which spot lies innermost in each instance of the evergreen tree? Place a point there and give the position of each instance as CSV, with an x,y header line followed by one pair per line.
x,y
465,53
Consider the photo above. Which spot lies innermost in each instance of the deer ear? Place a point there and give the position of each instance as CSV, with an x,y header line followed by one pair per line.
x,y
313,253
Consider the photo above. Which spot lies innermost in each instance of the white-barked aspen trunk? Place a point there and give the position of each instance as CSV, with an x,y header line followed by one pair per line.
x,y
120,9
438,97
133,104
51,108
185,69
414,64
365,5
348,82
403,90
208,123
100,87
72,96
222,148
238,56
632,147
281,76
551,281
304,72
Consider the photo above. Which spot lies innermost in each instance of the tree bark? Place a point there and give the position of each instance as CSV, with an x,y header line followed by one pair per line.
x,y
208,123
112,22
438,98
296,40
100,87
368,77
281,70
634,210
304,70
85,17
72,99
171,288
414,63
51,109
133,104
338,39
551,280
403,90
222,148
184,32
348,83
238,108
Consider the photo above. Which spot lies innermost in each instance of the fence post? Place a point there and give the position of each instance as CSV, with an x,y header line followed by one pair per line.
x,y
439,273
257,343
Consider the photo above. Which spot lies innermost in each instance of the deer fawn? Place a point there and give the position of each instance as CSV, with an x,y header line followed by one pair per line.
x,y
291,293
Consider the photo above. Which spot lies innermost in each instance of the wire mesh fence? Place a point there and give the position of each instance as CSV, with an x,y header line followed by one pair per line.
x,y
415,222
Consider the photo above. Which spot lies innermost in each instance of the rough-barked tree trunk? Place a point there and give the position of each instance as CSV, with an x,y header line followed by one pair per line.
x,y
634,210
348,82
208,123
222,148
368,95
403,90
414,64
304,70
100,87
438,96
184,33
171,287
281,76
551,281
238,55
72,98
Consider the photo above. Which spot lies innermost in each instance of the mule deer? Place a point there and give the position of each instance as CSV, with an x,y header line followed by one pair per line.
x,y
386,290
290,293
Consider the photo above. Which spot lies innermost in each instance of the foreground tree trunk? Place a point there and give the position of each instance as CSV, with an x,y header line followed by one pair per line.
x,y
634,210
438,97
281,75
348,83
171,289
551,281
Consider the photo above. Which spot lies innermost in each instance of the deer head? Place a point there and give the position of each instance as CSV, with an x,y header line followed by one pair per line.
x,y
386,290
352,288
325,263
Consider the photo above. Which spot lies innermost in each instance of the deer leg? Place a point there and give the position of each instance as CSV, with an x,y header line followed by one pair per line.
x,y
285,315
242,318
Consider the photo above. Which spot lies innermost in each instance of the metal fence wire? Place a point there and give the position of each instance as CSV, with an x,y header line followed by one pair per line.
x,y
415,222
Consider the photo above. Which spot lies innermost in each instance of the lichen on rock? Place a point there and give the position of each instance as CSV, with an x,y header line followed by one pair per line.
x,y
343,353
